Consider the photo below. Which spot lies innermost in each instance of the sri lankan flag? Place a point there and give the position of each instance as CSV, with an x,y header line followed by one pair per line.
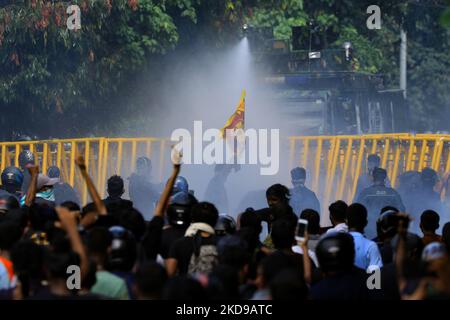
x,y
235,122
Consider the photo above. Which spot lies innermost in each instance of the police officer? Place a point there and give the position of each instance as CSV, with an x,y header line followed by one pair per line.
x,y
12,179
143,193
376,197
365,180
301,197
26,158
225,225
63,191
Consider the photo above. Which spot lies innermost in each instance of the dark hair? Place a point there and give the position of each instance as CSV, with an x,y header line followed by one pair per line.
x,y
356,216
183,288
71,206
233,251
298,174
429,220
336,252
273,264
98,239
10,233
223,283
388,208
115,186
132,220
278,191
205,212
283,210
283,234
313,218
337,211
150,279
56,264
89,280
249,219
288,285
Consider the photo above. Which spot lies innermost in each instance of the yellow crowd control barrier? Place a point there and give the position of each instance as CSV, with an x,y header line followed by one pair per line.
x,y
104,157
334,163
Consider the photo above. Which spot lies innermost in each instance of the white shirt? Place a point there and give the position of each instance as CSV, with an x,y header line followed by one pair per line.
x,y
366,252
341,227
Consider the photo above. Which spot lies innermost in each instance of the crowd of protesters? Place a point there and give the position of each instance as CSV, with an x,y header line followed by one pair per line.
x,y
164,243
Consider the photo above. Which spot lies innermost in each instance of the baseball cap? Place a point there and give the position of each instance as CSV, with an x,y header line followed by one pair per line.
x,y
44,181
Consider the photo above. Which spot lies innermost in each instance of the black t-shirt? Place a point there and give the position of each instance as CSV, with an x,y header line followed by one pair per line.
x,y
183,248
168,238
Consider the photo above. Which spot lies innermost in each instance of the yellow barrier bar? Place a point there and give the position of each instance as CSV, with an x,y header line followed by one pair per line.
x,y
385,153
317,168
410,155
148,152
104,169
345,169
87,147
374,146
133,155
101,145
119,157
447,167
58,154
72,163
393,178
332,172
437,161
305,153
3,163
16,158
291,152
358,166
44,158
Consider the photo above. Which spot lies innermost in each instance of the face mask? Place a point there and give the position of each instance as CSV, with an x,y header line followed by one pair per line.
x,y
48,195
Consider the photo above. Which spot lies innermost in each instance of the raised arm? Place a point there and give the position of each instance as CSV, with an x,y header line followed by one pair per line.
x,y
69,224
307,269
101,208
32,187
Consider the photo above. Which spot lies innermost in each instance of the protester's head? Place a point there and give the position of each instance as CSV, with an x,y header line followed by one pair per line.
x,y
283,234
183,288
436,258
288,285
429,178
12,179
271,266
277,193
143,166
413,246
373,161
429,221
226,225
98,243
123,254
26,157
45,184
298,176
387,224
149,281
379,176
131,219
388,208
337,212
250,228
115,186
313,218
56,265
335,253
53,172
282,210
446,235
233,251
223,283
356,217
8,203
205,212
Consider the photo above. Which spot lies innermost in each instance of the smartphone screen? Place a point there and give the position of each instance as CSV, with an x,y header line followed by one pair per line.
x,y
301,229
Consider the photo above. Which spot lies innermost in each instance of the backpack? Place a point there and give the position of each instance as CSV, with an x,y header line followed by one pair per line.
x,y
203,259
